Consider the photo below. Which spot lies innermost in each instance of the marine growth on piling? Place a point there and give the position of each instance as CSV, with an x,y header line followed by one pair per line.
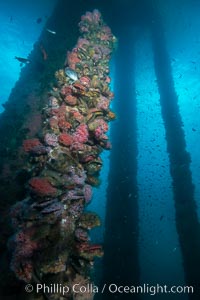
x,y
51,226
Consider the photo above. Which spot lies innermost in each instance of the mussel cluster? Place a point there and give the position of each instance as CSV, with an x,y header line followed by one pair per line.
x,y
63,163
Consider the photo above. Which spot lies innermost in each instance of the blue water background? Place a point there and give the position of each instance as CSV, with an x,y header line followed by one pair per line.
x,y
19,31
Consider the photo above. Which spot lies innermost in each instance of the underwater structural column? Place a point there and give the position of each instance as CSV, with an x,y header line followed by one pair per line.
x,y
120,264
183,188
61,162
51,241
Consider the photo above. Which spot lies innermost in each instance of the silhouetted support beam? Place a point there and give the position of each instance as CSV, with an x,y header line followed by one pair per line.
x,y
186,214
120,263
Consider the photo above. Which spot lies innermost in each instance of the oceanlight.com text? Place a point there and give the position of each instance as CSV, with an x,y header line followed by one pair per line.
x,y
150,289
112,288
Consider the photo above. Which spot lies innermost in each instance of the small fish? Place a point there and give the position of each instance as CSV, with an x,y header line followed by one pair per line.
x,y
23,60
50,31
39,20
71,74
43,52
